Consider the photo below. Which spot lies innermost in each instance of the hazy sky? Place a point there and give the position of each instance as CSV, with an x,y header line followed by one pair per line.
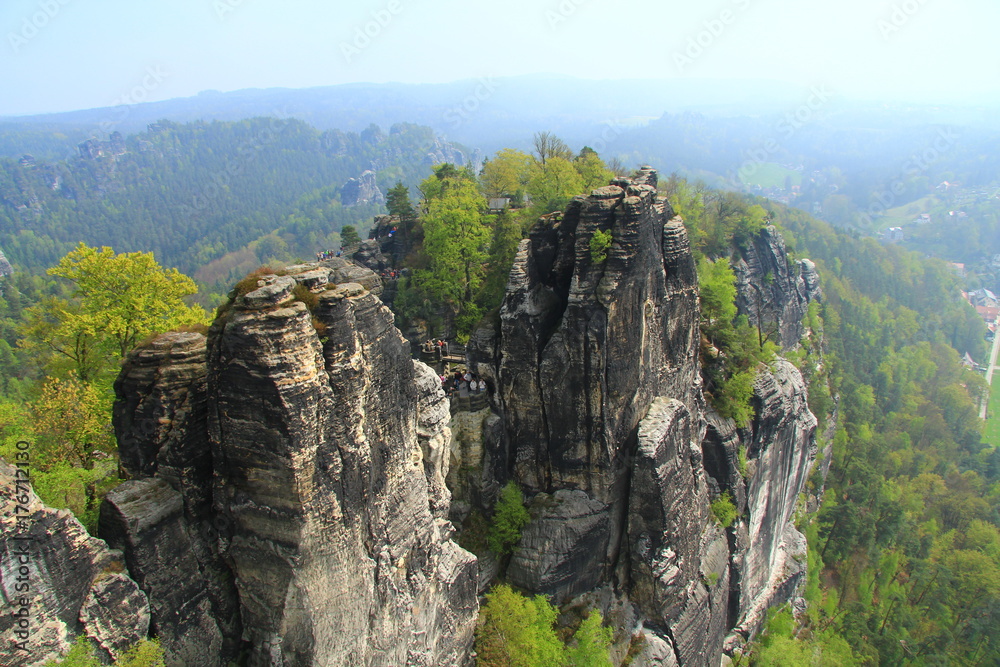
x,y
60,55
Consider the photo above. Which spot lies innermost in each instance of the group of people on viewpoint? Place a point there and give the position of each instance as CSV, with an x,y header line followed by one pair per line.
x,y
435,347
329,254
458,381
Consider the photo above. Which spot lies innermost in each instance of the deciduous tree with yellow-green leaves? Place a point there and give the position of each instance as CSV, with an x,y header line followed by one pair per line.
x,y
116,301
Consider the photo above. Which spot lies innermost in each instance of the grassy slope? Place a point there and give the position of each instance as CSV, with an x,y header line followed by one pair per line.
x,y
771,175
992,433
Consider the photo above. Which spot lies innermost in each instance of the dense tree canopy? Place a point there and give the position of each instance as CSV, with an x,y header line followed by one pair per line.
x,y
117,300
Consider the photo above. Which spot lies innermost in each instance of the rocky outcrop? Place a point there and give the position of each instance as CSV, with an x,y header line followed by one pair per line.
x,y
443,151
166,526
337,555
334,271
145,518
679,571
598,390
585,345
361,190
58,582
561,553
781,449
599,415
322,450
160,417
5,267
772,292
91,149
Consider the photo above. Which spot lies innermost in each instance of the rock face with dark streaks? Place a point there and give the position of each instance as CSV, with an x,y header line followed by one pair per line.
x,y
163,520
773,293
780,451
562,550
679,570
145,519
161,414
587,344
333,540
600,416
301,462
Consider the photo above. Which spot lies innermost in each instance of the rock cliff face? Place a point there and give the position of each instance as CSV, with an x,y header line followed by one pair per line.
x,y
5,268
361,190
57,582
315,449
166,524
773,293
336,552
779,448
599,412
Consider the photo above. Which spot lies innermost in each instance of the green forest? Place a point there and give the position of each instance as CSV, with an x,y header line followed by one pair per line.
x,y
213,200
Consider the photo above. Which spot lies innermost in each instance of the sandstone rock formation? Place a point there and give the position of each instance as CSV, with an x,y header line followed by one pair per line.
x,y
91,149
781,449
5,268
58,582
599,414
191,613
773,293
321,451
361,190
167,525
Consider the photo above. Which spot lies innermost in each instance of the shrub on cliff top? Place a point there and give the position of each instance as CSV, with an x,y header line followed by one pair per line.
x,y
306,296
249,283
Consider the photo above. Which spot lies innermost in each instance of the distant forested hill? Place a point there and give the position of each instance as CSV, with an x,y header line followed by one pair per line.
x,y
851,162
196,192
